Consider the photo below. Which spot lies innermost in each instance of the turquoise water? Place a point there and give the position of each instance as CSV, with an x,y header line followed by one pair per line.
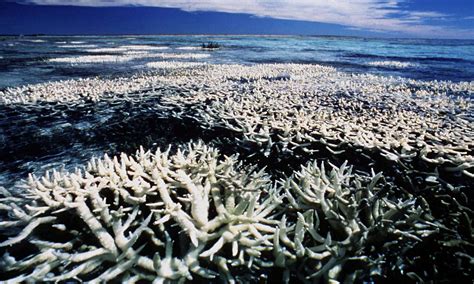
x,y
25,60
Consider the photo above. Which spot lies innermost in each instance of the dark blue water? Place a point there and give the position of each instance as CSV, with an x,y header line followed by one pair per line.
x,y
25,60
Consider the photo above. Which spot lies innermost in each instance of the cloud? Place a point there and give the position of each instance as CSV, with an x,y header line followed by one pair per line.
x,y
374,15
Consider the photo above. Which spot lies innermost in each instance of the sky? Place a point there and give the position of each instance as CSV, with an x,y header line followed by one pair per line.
x,y
386,18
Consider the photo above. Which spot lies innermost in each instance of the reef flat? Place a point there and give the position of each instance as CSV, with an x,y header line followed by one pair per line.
x,y
271,172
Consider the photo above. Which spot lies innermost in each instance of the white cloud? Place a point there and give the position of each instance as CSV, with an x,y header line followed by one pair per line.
x,y
375,15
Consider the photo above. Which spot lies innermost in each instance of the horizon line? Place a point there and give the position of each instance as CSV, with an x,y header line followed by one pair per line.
x,y
227,34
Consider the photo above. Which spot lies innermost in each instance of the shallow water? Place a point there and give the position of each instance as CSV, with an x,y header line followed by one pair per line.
x,y
25,60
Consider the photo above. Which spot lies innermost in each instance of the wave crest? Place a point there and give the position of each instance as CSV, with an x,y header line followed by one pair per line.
x,y
392,64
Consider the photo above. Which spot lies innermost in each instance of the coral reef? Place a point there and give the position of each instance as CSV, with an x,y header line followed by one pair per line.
x,y
173,64
181,55
149,216
432,123
88,59
269,195
196,213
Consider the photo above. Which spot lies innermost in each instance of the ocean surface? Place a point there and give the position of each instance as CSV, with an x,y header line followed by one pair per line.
x,y
25,60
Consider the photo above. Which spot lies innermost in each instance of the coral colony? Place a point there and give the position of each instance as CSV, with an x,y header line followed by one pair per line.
x,y
313,175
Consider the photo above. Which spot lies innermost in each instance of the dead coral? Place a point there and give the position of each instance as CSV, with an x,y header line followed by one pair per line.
x,y
162,217
151,216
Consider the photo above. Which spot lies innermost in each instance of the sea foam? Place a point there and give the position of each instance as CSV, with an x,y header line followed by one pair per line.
x,y
36,40
143,47
188,48
392,64
77,46
125,48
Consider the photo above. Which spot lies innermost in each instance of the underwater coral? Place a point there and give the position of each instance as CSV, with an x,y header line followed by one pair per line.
x,y
297,173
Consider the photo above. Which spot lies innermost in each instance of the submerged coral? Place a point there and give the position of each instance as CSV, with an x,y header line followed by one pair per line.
x,y
196,213
394,119
87,59
173,64
400,208
125,57
148,216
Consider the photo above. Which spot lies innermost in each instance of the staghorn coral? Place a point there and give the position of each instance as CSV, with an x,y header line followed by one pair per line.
x,y
76,92
325,222
196,214
396,120
342,218
149,216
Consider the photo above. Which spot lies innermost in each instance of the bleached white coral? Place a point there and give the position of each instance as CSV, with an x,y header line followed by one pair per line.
x,y
151,216
324,110
173,64
339,214
119,58
198,214
181,55
321,223
87,59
